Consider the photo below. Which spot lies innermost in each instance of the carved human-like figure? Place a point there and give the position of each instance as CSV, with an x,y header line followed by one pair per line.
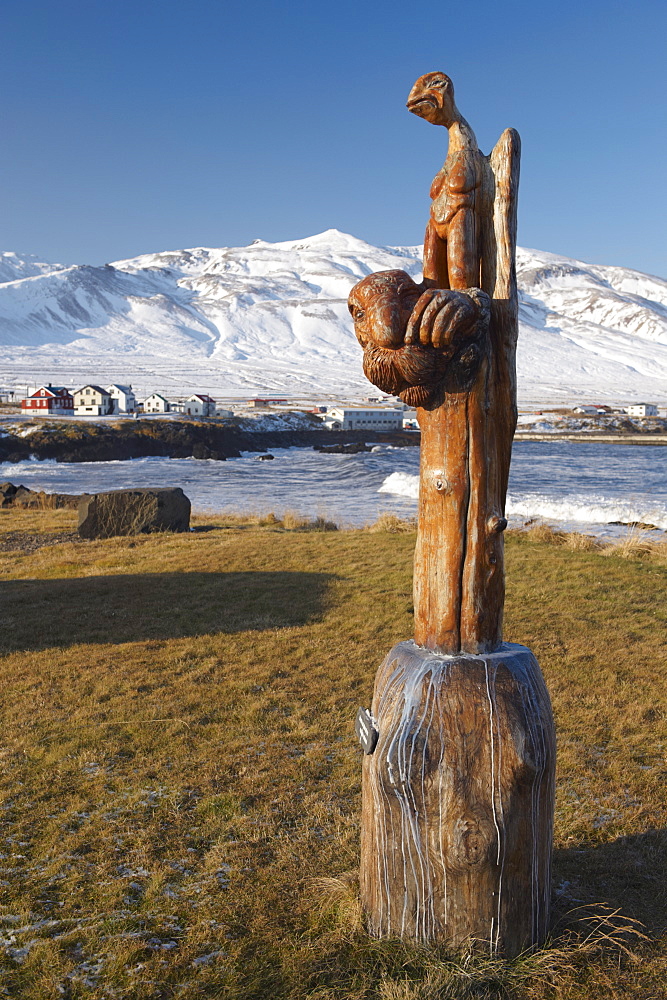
x,y
414,338
453,241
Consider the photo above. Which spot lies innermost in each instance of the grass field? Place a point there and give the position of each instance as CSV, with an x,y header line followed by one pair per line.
x,y
180,779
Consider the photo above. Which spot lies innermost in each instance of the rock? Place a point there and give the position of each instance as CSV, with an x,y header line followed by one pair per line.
x,y
133,512
640,525
203,451
265,458
354,448
7,492
21,496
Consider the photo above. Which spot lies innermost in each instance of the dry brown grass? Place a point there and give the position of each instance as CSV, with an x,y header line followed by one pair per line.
x,y
636,543
577,542
24,519
292,521
179,778
392,524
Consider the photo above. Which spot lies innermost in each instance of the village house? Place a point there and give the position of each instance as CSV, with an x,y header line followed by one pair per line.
x,y
199,405
156,403
642,410
93,401
348,418
49,399
260,403
125,400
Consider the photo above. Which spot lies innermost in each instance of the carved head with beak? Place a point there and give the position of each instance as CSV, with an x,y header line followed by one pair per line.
x,y
432,98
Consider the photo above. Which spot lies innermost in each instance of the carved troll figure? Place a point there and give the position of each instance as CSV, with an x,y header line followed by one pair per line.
x,y
416,340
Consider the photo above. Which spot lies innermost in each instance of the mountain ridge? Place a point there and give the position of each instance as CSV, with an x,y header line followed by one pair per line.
x,y
272,318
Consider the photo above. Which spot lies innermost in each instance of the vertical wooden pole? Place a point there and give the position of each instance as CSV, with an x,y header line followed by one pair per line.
x,y
458,793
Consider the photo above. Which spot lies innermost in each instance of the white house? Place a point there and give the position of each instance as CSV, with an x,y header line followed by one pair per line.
x,y
156,403
352,418
589,410
93,401
125,400
642,410
199,405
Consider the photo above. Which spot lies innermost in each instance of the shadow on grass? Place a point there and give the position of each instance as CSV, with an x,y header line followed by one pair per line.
x,y
629,874
39,614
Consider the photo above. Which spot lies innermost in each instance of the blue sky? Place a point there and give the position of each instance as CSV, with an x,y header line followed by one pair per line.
x,y
138,126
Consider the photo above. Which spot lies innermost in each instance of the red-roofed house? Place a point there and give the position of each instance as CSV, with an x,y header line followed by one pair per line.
x,y
49,399
199,405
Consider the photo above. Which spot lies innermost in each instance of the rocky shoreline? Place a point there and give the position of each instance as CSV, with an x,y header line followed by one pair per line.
x,y
80,441
91,442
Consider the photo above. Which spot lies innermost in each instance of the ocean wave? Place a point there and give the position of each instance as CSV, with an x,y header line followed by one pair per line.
x,y
401,484
563,510
588,510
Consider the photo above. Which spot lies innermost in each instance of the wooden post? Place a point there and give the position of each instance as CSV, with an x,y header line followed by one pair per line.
x,y
458,793
458,800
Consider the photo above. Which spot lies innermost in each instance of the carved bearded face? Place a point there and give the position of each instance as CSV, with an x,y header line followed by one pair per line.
x,y
381,306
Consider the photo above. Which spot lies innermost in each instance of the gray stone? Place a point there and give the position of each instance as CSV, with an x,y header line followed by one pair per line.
x,y
21,496
133,512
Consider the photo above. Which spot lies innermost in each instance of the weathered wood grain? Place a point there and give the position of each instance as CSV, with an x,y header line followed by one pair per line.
x,y
470,242
458,800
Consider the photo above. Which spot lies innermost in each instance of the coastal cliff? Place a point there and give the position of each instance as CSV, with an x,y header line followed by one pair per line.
x,y
80,441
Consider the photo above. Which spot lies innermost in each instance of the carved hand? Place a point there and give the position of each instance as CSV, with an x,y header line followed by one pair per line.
x,y
439,316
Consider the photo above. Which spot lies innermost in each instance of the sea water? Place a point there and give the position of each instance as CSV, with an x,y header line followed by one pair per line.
x,y
578,486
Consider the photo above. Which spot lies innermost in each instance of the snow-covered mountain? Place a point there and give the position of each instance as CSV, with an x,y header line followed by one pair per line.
x,y
14,266
272,318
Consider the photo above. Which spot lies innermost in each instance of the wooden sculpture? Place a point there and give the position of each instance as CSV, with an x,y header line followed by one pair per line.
x,y
458,791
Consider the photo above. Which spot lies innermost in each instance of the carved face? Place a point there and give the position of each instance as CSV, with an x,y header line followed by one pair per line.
x,y
432,98
381,305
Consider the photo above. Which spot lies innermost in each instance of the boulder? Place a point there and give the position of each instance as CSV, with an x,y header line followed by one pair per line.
x,y
133,512
21,496
7,493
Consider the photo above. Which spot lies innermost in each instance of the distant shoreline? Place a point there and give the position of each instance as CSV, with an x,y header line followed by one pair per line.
x,y
592,438
77,441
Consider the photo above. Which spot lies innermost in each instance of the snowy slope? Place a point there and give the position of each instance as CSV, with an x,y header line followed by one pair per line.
x,y
14,266
272,317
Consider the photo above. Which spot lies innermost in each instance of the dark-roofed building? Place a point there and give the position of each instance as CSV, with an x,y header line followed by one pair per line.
x,y
125,400
93,401
49,399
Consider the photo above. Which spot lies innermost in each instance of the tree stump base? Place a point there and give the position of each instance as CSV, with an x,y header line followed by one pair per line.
x,y
458,800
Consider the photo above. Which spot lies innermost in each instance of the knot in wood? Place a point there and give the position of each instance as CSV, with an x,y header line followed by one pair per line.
x,y
474,845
